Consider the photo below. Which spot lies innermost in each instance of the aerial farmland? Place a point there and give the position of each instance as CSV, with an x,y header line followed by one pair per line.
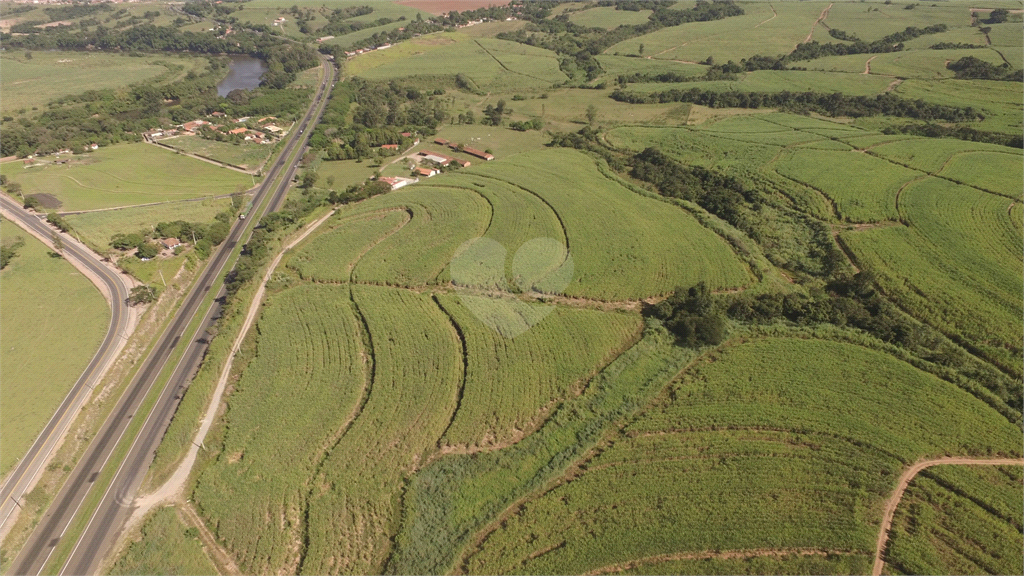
x,y
530,287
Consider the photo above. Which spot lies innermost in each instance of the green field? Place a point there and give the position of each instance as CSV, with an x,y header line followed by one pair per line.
x,y
331,255
164,547
308,356
956,265
96,228
124,175
958,520
32,83
758,31
491,63
621,236
245,155
53,321
732,459
608,17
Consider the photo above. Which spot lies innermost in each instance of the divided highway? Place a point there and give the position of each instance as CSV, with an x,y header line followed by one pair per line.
x,y
28,469
108,518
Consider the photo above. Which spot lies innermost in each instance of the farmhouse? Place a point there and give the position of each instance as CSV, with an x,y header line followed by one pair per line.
x,y
395,182
440,141
218,115
170,243
389,147
478,153
237,131
427,172
438,158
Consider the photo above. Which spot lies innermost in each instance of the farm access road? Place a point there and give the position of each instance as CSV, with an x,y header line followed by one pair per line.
x,y
114,286
901,487
104,522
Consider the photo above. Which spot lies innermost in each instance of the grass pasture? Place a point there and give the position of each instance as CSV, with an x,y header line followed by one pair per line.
x,y
47,305
959,520
771,29
124,175
494,65
96,228
246,155
608,17
164,548
732,458
29,84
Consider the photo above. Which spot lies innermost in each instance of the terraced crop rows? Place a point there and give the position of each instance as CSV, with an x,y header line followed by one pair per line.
x,y
331,255
293,398
733,458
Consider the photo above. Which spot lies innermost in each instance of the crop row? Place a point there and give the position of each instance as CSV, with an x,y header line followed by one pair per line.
x,y
959,520
777,443
293,398
331,255
512,380
624,246
418,368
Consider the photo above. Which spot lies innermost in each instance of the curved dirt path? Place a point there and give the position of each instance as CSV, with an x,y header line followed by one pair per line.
x,y
867,65
824,14
774,15
901,486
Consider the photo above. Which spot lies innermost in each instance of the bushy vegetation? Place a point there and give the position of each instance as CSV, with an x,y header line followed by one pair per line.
x,y
973,68
165,545
835,104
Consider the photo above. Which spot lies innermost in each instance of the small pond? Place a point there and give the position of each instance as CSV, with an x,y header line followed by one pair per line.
x,y
244,74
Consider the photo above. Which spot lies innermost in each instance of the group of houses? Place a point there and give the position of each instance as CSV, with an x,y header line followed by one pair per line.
x,y
265,134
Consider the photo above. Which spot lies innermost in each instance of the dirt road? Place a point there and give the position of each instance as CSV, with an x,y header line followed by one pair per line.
x,y
894,500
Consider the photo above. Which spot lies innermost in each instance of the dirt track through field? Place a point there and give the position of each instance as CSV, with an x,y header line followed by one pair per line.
x,y
774,14
723,555
824,14
901,487
867,65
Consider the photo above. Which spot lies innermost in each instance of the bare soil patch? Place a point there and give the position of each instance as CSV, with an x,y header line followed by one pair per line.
x,y
48,201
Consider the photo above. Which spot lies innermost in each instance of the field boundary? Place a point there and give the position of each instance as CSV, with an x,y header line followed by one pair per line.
x,y
904,482
721,554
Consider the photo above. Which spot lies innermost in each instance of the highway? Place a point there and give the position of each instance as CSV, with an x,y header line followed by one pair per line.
x,y
31,465
108,519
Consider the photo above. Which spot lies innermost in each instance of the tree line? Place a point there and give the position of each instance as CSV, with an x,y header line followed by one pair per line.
x,y
834,104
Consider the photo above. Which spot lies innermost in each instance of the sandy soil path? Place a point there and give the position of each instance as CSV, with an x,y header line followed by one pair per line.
x,y
905,478
824,14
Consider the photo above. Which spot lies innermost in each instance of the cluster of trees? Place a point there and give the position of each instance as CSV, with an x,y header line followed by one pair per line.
x,y
357,192
891,43
973,68
9,249
386,109
692,316
954,46
523,126
338,25
933,130
493,115
577,45
834,104
203,236
111,116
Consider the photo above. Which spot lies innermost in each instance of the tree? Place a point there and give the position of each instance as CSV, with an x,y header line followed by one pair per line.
x,y
28,55
641,49
141,295
58,243
13,188
148,250
309,179
998,16
591,114
330,181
